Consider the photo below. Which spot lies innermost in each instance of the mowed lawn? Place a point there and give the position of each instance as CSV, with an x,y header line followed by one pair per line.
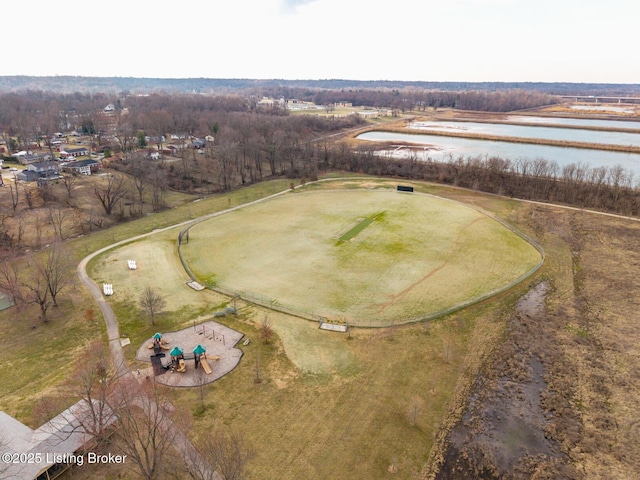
x,y
367,257
328,405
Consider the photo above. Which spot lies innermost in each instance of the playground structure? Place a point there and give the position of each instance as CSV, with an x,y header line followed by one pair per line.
x,y
182,367
159,343
212,342
210,333
200,357
177,359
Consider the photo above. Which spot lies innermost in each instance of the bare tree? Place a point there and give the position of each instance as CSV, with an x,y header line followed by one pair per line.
x,y
10,281
15,194
227,452
152,303
29,197
57,216
146,431
39,222
93,380
140,171
266,330
46,277
38,290
56,271
110,194
201,382
69,181
159,186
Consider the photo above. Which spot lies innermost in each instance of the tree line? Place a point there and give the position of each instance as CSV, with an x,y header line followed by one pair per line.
x,y
410,99
608,189
250,145
223,86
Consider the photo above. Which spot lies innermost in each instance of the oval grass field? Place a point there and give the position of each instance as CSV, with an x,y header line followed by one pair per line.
x,y
369,257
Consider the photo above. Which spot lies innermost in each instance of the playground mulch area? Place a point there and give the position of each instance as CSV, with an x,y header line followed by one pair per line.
x,y
218,340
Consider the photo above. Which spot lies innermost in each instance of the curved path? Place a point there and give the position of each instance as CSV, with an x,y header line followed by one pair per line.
x,y
181,443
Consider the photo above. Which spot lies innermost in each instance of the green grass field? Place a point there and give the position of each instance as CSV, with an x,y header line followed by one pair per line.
x,y
367,257
329,405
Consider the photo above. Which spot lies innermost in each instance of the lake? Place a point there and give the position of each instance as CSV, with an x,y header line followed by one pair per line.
x,y
531,132
580,122
440,148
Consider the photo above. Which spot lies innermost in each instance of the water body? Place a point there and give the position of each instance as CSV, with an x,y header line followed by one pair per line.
x,y
603,108
522,131
440,148
580,122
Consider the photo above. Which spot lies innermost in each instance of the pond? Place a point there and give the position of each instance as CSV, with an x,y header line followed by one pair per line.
x,y
580,122
440,148
532,132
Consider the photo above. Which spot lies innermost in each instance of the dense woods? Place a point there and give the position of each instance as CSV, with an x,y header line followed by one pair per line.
x,y
420,99
223,86
248,143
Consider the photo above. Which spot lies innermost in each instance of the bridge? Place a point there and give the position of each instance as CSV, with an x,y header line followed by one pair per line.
x,y
600,99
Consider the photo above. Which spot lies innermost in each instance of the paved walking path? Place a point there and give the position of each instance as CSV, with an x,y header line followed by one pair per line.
x,y
182,444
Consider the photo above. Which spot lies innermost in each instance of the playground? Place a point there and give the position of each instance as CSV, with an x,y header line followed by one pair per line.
x,y
174,355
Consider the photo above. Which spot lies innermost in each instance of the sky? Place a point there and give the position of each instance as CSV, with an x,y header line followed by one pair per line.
x,y
412,40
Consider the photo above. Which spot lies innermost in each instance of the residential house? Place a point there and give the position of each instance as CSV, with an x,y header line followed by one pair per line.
x,y
197,144
109,108
30,158
27,176
40,172
169,150
74,152
155,140
82,167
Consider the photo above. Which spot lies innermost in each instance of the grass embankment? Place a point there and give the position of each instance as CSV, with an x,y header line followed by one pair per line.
x,y
37,356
